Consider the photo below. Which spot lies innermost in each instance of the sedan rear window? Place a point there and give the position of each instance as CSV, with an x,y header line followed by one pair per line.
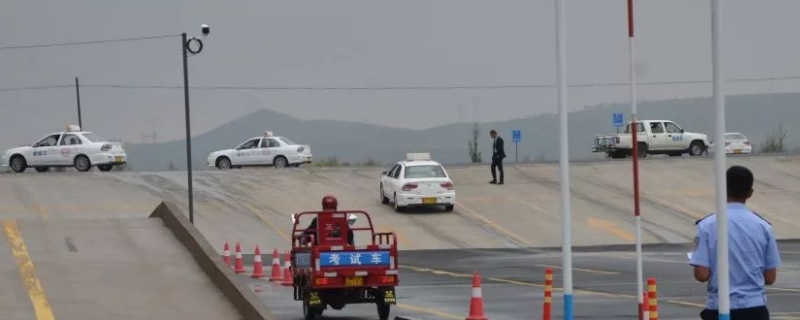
x,y
734,136
431,171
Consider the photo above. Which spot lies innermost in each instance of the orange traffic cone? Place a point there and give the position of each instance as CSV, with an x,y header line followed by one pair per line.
x,y
276,267
239,264
258,269
476,302
226,254
287,273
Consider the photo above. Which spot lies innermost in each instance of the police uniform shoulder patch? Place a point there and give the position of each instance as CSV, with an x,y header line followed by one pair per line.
x,y
703,218
762,218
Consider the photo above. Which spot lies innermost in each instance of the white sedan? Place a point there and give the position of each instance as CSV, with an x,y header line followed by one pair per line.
x,y
417,181
735,143
267,150
73,147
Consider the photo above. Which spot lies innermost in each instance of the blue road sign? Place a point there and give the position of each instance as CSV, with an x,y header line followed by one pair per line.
x,y
619,119
516,135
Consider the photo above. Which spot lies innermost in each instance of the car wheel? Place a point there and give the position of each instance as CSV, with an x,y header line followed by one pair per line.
x,y
82,163
397,208
42,169
223,163
642,150
105,167
280,162
696,148
18,164
384,199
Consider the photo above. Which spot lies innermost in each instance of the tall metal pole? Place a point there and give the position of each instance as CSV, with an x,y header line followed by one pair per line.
x,y
566,246
634,125
78,95
184,46
723,276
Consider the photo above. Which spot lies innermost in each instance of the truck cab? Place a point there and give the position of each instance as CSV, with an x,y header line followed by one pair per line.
x,y
653,137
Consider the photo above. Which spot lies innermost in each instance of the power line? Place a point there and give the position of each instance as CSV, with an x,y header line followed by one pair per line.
x,y
64,44
298,88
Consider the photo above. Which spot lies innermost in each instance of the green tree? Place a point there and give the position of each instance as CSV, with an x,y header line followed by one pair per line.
x,y
474,153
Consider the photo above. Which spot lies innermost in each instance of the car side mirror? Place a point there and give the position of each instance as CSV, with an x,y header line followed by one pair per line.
x,y
294,218
681,130
384,172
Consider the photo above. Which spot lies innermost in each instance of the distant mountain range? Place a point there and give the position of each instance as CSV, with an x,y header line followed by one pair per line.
x,y
754,115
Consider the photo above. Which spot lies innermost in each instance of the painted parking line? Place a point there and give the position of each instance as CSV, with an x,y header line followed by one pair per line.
x,y
612,228
41,306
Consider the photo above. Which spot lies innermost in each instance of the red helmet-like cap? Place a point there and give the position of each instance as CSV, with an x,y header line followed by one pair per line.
x,y
329,202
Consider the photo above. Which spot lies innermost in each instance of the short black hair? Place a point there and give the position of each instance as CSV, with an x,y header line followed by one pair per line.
x,y
493,131
739,182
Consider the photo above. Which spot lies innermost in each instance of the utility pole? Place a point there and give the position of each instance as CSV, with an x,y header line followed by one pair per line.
x,y
78,95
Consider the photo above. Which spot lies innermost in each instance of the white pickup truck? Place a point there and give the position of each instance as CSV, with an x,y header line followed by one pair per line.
x,y
653,137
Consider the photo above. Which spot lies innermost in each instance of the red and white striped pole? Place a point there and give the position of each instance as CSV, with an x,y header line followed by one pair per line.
x,y
635,154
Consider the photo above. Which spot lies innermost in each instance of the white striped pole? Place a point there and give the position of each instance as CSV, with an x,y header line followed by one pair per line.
x,y
634,135
723,276
566,246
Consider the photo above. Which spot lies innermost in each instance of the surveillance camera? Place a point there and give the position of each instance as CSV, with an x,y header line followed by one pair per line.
x,y
206,30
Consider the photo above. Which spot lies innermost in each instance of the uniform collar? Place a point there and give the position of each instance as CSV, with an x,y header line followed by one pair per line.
x,y
736,205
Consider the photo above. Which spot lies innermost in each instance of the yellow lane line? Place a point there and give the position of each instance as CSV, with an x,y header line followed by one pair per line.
x,y
430,311
691,304
673,206
612,228
497,227
26,270
579,269
280,231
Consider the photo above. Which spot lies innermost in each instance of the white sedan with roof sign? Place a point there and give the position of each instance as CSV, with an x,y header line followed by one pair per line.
x,y
417,181
73,147
267,150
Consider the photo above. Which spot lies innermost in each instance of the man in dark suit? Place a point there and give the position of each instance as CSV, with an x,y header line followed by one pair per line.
x,y
498,153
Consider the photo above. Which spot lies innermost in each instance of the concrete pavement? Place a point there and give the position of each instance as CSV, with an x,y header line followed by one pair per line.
x,y
436,284
254,204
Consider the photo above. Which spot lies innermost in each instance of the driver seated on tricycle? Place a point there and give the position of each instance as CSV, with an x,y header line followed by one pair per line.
x,y
330,203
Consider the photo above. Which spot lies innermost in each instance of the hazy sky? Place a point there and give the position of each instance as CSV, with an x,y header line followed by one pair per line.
x,y
346,43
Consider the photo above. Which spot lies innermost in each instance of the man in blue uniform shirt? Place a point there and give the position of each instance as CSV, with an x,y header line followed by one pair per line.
x,y
753,254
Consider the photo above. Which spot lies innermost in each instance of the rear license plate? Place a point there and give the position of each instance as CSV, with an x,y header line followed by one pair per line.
x,y
118,158
354,281
737,151
429,200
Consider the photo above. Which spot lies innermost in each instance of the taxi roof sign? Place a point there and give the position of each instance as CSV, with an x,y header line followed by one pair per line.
x,y
418,156
267,133
73,128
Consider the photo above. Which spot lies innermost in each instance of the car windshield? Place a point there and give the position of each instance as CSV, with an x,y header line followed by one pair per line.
x,y
93,137
430,171
287,141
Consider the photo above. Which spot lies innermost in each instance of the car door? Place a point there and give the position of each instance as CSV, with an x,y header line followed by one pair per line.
x,y
658,137
386,180
272,148
68,147
43,150
245,152
675,136
397,179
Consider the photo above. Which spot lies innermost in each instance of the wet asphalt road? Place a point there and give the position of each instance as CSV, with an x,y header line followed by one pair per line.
x,y
435,284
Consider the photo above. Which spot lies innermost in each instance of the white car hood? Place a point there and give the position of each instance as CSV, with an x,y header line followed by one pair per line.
x,y
221,152
15,150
